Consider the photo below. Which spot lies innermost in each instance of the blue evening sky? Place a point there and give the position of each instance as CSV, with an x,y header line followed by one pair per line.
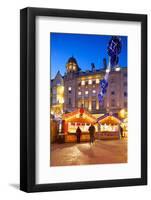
x,y
84,48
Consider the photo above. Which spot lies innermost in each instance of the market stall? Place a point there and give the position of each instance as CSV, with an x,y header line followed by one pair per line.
x,y
75,119
124,126
109,127
53,130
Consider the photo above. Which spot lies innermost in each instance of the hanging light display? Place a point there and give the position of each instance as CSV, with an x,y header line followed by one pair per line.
x,y
113,50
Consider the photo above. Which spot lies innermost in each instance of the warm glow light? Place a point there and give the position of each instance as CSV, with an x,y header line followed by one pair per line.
x,y
86,92
79,93
60,90
97,81
60,94
70,66
117,69
61,100
122,113
69,88
94,91
89,108
82,82
90,82
97,105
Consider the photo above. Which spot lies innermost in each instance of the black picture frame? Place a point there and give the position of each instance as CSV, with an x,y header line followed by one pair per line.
x,y
28,99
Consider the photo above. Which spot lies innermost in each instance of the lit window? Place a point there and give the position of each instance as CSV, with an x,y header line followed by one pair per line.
x,y
79,104
97,81
94,91
82,82
79,93
69,88
86,92
86,104
70,66
90,81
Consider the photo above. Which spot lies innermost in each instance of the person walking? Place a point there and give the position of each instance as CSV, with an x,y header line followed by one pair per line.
x,y
121,131
91,131
78,134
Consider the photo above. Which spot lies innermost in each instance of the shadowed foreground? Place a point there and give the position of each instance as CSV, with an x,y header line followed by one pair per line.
x,y
100,152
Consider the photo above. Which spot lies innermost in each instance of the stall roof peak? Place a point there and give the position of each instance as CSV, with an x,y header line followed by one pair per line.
x,y
77,111
109,119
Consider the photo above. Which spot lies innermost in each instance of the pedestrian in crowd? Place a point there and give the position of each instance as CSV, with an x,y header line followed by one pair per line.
x,y
91,131
78,134
121,131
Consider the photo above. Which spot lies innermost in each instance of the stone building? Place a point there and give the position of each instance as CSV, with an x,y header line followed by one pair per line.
x,y
81,88
57,95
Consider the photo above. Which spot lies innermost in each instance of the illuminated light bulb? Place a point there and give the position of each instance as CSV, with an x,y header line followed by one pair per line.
x,y
107,70
69,88
117,69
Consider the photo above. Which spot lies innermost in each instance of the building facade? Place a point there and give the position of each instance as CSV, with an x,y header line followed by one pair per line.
x,y
57,95
79,88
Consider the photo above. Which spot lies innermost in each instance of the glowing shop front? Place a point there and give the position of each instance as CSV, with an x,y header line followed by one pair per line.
x,y
109,127
75,119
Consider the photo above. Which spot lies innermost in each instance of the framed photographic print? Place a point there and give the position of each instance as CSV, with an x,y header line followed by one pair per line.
x,y
83,99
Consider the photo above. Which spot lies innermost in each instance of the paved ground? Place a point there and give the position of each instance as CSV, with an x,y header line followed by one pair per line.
x,y
100,152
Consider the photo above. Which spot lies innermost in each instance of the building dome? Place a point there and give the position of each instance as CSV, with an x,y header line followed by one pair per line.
x,y
72,65
72,60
